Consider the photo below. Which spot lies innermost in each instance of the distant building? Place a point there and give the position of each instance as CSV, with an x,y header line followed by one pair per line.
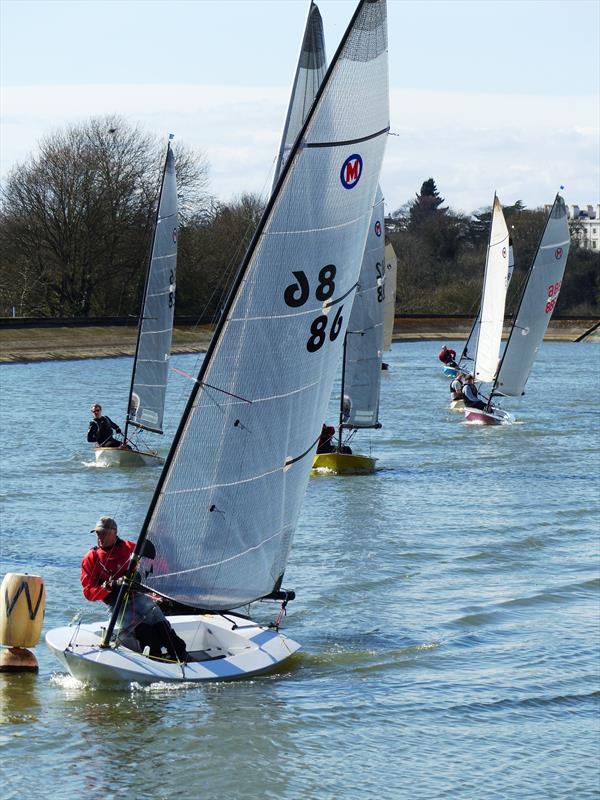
x,y
588,227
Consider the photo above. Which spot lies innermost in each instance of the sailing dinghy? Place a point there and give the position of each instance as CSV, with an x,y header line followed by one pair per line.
x,y
536,305
362,356
310,71
493,301
227,502
145,408
465,362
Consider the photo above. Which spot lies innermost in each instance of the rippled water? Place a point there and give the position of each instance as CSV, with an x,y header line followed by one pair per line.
x,y
447,606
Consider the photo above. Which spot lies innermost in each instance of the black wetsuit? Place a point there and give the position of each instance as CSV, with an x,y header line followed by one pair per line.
x,y
100,431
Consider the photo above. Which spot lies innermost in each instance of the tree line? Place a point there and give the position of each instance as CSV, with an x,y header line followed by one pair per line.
x,y
76,224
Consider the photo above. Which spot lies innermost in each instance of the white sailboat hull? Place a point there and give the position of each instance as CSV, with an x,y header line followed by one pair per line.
x,y
224,648
118,457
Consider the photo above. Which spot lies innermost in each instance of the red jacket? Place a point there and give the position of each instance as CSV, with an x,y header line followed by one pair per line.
x,y
447,355
100,565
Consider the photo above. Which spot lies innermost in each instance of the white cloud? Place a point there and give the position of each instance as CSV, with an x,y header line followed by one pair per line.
x,y
522,146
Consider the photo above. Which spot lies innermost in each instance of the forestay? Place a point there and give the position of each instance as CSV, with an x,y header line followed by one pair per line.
x,y
389,302
493,298
364,339
312,64
227,503
537,303
151,364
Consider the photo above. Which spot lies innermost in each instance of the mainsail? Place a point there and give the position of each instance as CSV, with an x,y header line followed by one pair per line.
x,y
151,363
312,64
493,298
389,302
364,340
227,502
469,348
537,303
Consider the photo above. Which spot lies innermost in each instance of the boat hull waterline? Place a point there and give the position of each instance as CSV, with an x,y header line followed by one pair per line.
x,y
344,463
121,457
476,416
223,647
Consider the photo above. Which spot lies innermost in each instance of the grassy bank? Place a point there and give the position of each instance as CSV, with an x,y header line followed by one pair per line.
x,y
50,343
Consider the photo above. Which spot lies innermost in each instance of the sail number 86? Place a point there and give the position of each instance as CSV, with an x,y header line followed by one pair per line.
x,y
296,295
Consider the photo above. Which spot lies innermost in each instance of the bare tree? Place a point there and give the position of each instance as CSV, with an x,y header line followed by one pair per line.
x,y
76,219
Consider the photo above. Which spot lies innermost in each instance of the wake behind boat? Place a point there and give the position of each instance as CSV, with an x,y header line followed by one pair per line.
x,y
223,514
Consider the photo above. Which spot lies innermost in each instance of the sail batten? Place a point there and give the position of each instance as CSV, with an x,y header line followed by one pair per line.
x,y
146,405
228,500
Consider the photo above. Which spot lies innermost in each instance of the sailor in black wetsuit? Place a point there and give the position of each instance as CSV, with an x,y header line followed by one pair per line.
x,y
101,429
471,395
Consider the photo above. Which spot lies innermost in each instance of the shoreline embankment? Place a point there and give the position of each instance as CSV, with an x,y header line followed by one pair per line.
x,y
50,340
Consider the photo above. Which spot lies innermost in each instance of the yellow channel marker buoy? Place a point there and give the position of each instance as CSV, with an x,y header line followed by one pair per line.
x,y
22,606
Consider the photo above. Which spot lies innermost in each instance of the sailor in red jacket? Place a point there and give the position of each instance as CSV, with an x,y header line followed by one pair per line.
x,y
104,564
448,356
143,624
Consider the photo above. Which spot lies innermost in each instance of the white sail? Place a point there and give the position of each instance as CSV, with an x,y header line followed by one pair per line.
x,y
364,339
312,64
226,506
537,303
493,298
389,303
151,362
469,348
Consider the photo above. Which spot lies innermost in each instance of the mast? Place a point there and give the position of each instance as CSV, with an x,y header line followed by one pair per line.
x,y
342,388
287,466
145,293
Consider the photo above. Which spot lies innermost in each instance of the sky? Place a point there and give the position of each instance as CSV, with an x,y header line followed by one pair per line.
x,y
485,95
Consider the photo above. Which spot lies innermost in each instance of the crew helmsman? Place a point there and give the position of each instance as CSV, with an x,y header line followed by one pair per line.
x,y
456,387
101,429
471,395
448,356
143,624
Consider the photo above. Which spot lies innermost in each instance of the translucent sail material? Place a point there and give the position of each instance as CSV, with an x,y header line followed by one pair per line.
x,y
151,364
389,303
312,65
468,352
227,503
364,340
493,298
537,303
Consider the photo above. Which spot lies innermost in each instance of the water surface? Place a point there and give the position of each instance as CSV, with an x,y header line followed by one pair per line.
x,y
447,606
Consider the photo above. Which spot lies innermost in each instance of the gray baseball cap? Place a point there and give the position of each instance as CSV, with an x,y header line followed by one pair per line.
x,y
104,524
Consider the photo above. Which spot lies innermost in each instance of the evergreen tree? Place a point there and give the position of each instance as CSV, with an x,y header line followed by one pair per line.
x,y
426,204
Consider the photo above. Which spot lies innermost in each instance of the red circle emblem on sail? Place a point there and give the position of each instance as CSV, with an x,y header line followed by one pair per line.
x,y
378,228
351,171
504,252
558,252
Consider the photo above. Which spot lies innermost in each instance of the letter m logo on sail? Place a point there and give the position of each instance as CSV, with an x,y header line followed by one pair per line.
x,y
351,171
